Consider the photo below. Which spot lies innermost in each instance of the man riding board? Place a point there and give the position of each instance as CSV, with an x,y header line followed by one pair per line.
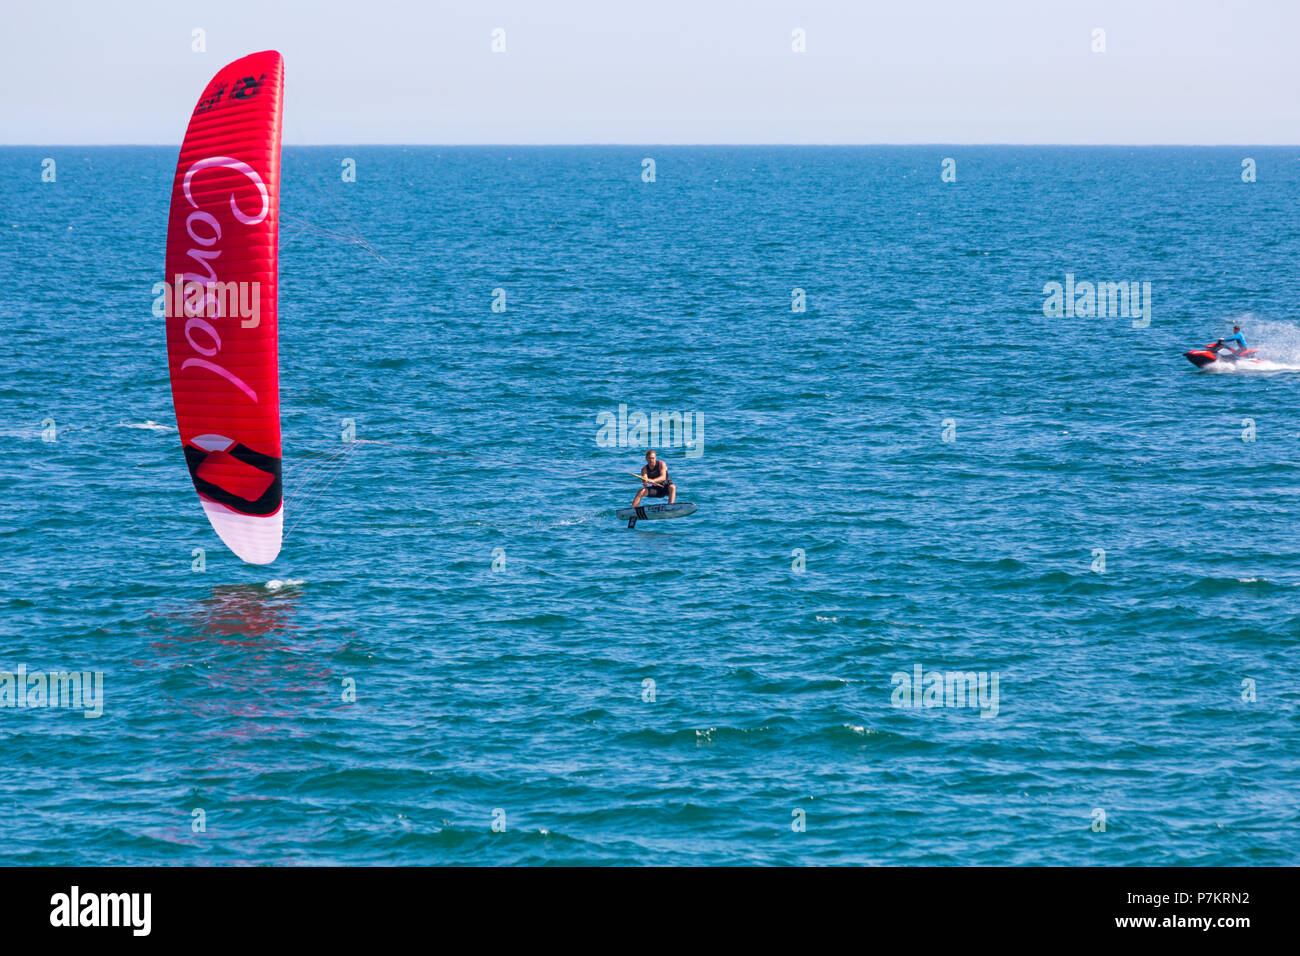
x,y
655,481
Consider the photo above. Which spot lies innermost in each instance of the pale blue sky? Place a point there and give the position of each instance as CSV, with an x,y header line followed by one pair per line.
x,y
668,71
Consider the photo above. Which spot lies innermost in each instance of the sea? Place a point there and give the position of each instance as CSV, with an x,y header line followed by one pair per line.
x,y
981,573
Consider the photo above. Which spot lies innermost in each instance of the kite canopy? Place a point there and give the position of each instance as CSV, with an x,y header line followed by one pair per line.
x,y
222,270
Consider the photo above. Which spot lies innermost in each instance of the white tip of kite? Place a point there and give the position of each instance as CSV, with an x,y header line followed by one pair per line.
x,y
254,538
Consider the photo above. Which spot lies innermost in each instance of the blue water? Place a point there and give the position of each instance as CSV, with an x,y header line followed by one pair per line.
x,y
499,625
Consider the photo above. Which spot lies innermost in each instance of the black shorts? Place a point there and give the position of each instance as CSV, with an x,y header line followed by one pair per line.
x,y
657,491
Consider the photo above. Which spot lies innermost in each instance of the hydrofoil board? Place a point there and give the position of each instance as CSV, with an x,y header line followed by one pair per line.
x,y
678,509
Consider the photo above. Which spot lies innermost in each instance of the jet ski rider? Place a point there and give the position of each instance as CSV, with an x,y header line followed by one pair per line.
x,y
656,482
1237,337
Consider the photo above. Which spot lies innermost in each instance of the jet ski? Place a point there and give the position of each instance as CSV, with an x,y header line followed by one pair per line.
x,y
1218,352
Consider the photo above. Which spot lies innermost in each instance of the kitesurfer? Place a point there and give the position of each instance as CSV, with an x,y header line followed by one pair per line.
x,y
655,480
